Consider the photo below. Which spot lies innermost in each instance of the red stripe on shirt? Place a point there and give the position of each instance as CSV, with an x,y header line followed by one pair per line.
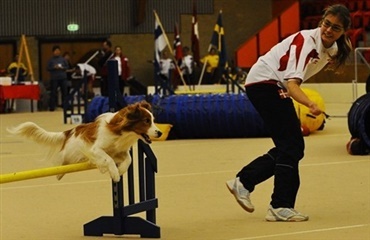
x,y
298,42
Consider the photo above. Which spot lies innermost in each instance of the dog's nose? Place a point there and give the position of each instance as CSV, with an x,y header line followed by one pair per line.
x,y
159,133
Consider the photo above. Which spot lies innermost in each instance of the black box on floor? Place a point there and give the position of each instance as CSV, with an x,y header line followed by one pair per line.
x,y
136,87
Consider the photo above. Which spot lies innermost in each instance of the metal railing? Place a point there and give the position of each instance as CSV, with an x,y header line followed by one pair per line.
x,y
358,52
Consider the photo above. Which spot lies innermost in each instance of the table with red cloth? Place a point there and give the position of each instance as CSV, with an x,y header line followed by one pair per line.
x,y
31,92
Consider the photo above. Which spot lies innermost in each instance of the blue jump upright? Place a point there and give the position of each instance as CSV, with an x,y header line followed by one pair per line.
x,y
76,98
122,222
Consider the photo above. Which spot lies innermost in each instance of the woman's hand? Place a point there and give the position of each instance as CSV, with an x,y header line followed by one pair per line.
x,y
314,109
293,86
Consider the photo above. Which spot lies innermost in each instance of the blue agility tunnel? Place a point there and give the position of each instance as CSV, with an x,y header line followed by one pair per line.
x,y
197,116
99,105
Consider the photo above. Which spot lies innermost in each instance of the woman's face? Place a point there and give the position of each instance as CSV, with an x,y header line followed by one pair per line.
x,y
118,51
331,29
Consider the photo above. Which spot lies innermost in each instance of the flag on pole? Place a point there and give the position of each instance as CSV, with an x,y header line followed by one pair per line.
x,y
159,44
177,46
195,35
218,41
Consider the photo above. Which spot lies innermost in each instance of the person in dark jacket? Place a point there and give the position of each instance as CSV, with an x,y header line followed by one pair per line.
x,y
106,54
57,66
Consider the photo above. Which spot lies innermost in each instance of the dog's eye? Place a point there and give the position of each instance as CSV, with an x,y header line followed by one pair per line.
x,y
147,121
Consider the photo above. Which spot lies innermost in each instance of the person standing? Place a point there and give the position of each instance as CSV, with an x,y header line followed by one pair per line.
x,y
123,68
57,66
240,76
210,62
273,81
165,75
90,71
69,69
187,67
106,55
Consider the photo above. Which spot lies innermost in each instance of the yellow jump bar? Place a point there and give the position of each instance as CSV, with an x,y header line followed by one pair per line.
x,y
45,172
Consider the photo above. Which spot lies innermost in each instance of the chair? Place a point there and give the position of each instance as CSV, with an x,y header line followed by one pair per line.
x,y
367,5
352,6
357,19
366,19
356,35
360,4
311,22
366,55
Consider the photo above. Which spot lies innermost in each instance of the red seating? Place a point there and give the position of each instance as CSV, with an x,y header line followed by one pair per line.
x,y
360,4
355,35
366,19
360,17
366,55
367,5
352,6
357,19
311,22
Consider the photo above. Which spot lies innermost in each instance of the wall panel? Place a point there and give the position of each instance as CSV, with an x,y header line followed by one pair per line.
x,y
51,17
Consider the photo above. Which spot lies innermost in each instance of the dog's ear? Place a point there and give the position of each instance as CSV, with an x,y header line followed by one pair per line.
x,y
116,124
133,111
146,105
125,118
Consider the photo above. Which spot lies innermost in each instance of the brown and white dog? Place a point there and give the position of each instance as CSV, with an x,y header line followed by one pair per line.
x,y
105,142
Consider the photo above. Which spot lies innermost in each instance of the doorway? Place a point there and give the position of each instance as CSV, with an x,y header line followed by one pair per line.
x,y
7,53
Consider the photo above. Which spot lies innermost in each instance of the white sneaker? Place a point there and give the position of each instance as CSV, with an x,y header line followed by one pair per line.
x,y
241,194
284,215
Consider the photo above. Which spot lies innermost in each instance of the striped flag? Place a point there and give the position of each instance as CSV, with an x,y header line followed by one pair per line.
x,y
195,35
159,44
177,47
218,41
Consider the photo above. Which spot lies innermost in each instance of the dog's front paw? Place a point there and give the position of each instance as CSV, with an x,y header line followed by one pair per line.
x,y
114,174
116,178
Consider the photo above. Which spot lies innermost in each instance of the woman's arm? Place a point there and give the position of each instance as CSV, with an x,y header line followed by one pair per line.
x,y
295,91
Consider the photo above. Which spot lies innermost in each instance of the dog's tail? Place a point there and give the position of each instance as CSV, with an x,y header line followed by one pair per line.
x,y
32,131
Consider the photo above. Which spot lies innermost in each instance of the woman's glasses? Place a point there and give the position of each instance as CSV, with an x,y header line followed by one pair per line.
x,y
334,27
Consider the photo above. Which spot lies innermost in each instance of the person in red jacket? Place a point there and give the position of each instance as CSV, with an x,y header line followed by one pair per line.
x,y
123,68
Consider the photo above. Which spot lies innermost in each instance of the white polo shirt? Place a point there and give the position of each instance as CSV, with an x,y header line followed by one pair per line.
x,y
166,66
90,70
187,64
300,55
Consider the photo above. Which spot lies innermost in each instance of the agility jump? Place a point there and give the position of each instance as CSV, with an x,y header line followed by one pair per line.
x,y
122,222
45,172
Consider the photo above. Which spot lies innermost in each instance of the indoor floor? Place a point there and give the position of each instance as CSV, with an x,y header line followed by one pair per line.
x,y
194,203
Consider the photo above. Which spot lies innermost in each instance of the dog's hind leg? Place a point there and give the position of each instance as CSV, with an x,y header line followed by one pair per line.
x,y
60,176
